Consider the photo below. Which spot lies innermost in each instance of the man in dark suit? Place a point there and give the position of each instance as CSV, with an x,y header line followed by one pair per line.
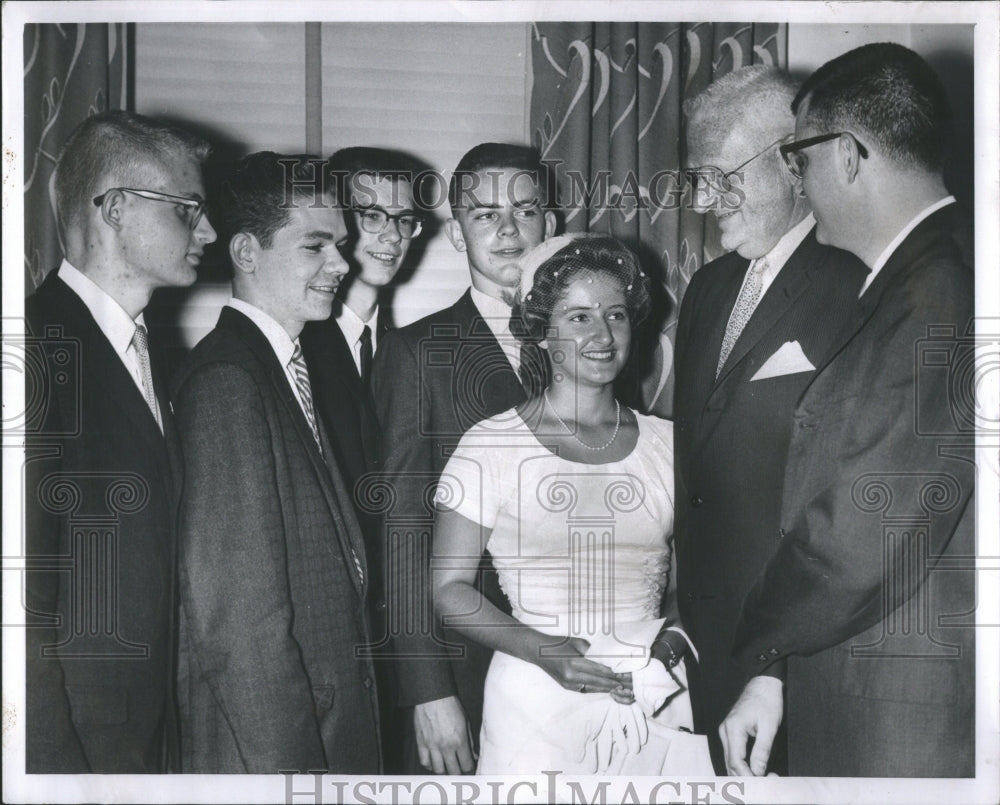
x,y
377,188
271,559
738,381
870,594
433,380
100,492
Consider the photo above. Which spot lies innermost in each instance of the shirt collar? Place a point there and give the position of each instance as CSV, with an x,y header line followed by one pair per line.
x,y
495,312
887,252
111,317
787,244
351,325
276,335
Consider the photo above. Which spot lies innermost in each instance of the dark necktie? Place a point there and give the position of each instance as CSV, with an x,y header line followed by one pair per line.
x,y
366,353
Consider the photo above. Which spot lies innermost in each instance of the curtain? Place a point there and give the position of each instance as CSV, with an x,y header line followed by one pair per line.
x,y
606,113
71,71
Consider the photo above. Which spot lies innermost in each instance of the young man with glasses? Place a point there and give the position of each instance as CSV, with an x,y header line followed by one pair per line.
x,y
100,600
878,496
433,380
383,221
753,325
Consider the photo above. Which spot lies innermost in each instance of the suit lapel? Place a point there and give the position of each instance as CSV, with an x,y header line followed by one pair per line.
x,y
792,280
488,352
329,480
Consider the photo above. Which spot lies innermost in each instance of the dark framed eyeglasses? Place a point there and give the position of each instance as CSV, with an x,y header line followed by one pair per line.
x,y
710,176
796,161
374,220
192,210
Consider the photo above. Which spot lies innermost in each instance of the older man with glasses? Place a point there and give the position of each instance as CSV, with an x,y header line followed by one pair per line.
x,y
100,490
753,326
878,642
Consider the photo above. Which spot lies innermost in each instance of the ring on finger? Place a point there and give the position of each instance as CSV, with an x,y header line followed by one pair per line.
x,y
582,688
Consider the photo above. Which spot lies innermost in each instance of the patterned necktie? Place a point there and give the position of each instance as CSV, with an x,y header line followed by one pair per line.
x,y
366,353
746,303
140,343
298,364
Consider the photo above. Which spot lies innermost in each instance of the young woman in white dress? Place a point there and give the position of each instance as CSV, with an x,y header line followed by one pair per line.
x,y
572,493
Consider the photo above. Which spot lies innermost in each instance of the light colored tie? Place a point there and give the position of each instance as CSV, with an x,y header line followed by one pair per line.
x,y
140,343
745,305
301,372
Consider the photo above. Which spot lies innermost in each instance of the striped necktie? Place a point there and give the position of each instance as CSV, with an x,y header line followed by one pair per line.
x,y
745,305
140,343
301,373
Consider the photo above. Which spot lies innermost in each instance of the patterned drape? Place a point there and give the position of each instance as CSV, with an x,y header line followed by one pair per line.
x,y
606,112
71,71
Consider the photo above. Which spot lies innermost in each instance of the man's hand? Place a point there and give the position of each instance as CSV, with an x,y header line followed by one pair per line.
x,y
443,740
757,714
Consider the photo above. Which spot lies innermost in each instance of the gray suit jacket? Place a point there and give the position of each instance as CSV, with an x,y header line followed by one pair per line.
x,y
731,437
272,606
870,594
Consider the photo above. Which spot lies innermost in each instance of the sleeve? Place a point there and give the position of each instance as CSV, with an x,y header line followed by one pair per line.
x,y
402,401
234,575
470,483
854,464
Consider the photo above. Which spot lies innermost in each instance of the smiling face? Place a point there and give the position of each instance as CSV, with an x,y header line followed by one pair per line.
x,y
591,320
378,255
294,280
158,246
762,207
499,218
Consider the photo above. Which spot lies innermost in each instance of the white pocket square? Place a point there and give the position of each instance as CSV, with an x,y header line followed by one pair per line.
x,y
788,360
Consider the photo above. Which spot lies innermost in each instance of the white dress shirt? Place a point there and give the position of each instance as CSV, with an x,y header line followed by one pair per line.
x,y
117,326
351,326
883,258
496,312
277,336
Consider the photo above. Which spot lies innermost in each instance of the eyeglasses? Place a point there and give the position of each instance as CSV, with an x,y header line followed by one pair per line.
x,y
796,161
192,210
709,176
374,220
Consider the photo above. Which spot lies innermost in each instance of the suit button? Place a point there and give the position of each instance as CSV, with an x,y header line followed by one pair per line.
x,y
773,652
781,533
367,682
690,596
380,606
696,501
761,658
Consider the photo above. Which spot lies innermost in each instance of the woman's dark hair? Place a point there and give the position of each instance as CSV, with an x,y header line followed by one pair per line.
x,y
532,313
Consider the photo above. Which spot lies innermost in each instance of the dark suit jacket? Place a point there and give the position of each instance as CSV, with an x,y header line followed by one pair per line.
x,y
100,503
272,606
433,380
866,594
731,437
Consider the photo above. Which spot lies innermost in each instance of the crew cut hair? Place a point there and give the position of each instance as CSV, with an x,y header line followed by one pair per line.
x,y
347,164
887,94
499,156
116,147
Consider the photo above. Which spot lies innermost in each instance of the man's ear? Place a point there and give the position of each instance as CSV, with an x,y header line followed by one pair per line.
x,y
849,157
243,251
550,224
454,232
112,209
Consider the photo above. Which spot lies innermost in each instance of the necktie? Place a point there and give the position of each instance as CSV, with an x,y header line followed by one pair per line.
x,y
745,305
140,343
301,373
366,353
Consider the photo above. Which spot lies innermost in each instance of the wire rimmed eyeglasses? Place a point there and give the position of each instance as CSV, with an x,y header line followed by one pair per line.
x,y
710,176
374,220
796,161
191,209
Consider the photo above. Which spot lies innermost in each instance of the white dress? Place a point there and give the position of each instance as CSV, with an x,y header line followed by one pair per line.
x,y
578,548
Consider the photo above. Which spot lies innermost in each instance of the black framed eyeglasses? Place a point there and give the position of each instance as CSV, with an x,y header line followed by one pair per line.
x,y
796,161
191,209
706,176
374,220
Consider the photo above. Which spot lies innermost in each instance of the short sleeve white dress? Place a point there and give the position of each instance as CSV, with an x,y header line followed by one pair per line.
x,y
578,548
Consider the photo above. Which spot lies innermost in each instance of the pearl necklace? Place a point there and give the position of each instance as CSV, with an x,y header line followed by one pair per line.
x,y
569,430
